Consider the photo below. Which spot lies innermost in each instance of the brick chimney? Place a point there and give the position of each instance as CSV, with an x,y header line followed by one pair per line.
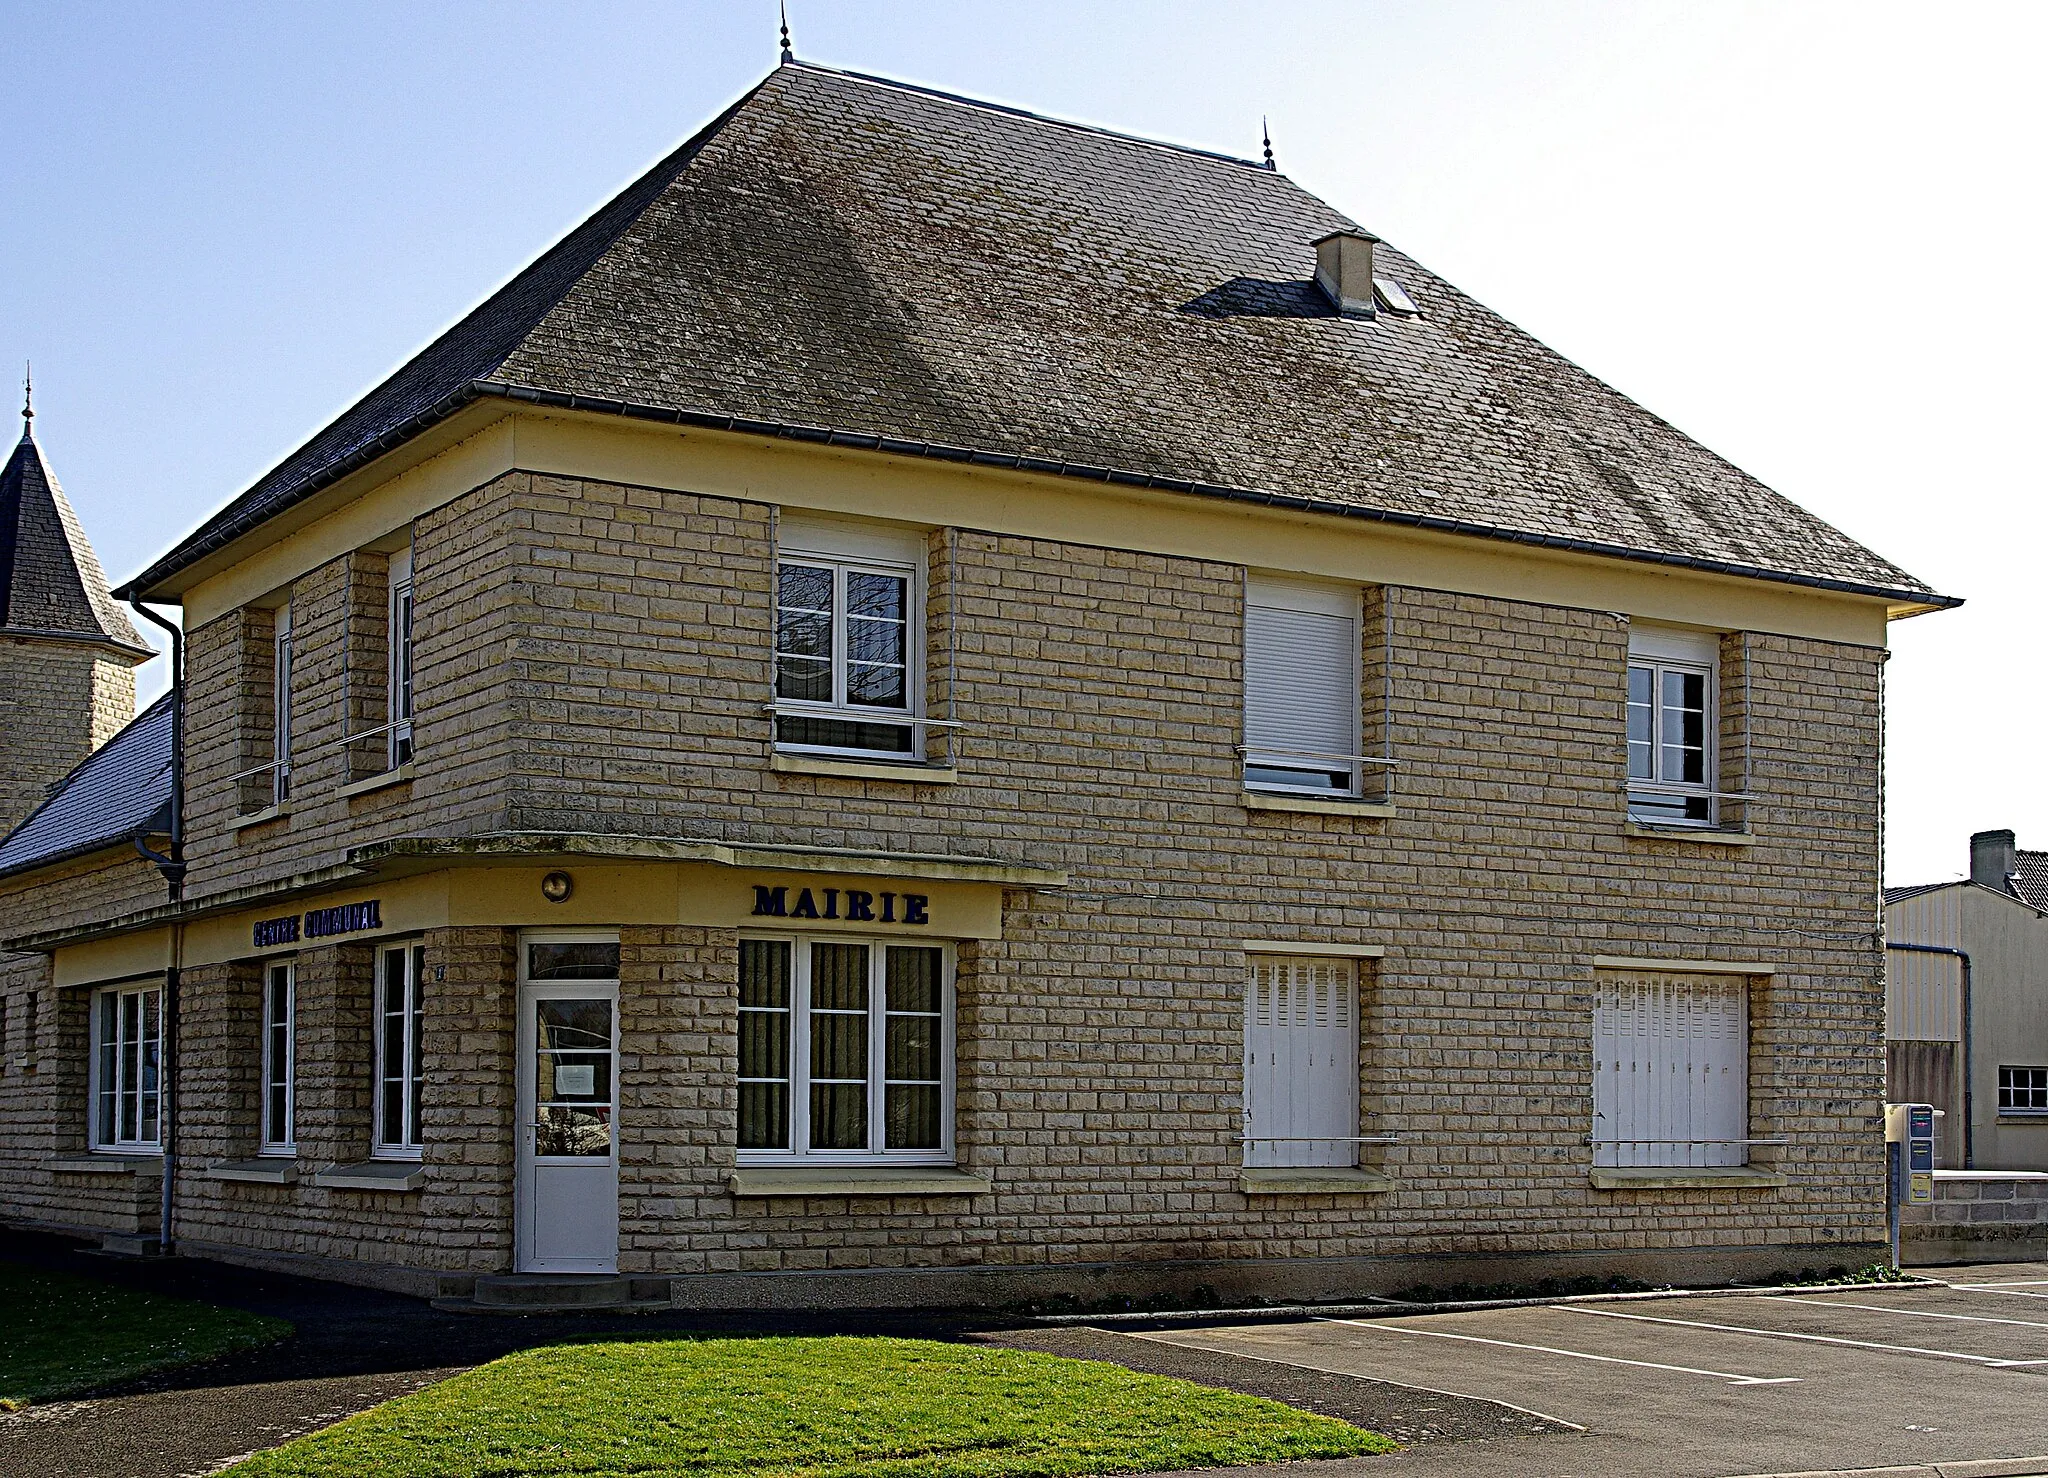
x,y
1994,858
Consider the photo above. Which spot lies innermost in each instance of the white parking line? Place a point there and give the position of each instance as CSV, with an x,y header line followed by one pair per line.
x,y
1508,1344
1922,1313
1988,1361
2008,1283
1237,1354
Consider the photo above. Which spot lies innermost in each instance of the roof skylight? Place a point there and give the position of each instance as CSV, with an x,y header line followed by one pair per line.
x,y
1394,298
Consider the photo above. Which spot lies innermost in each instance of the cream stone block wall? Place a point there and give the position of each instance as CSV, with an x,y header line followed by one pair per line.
x,y
63,701
596,657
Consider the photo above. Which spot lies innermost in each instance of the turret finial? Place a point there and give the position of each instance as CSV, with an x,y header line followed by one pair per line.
x,y
1266,134
28,396
787,54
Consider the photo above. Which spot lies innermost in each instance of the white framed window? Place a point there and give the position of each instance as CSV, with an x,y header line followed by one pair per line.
x,y
400,1016
127,1034
398,677
845,1051
1673,682
281,707
1670,1069
280,1046
1300,1061
849,640
2023,1090
1301,687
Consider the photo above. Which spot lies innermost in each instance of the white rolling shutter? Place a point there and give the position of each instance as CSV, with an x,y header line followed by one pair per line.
x,y
1301,655
1300,1061
1670,1069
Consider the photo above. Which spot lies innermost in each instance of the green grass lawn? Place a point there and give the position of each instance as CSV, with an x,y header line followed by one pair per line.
x,y
812,1407
67,1334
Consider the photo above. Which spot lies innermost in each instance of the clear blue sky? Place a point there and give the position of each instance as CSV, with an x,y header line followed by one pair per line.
x,y
1806,233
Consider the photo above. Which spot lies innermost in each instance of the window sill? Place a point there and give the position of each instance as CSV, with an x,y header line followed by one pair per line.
x,y
858,1180
269,1171
2014,1120
1313,947
1684,967
257,818
1307,805
907,772
106,1162
373,1175
1682,1177
1308,1180
400,776
1708,835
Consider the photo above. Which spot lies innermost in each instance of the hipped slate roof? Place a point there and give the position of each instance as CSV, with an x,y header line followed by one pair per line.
x,y
122,790
843,258
50,580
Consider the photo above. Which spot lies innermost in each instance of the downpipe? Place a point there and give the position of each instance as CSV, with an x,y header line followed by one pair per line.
x,y
172,865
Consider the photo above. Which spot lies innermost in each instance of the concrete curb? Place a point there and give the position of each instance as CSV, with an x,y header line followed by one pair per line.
x,y
1390,1308
1997,1467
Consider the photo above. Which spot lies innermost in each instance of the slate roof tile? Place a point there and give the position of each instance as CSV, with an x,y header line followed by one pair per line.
x,y
50,579
845,253
121,790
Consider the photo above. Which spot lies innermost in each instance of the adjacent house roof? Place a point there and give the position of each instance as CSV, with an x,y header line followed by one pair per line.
x,y
1914,890
122,790
2030,878
50,580
844,258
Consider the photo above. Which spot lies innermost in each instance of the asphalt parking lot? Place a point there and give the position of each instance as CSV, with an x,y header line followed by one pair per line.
x,y
1711,1386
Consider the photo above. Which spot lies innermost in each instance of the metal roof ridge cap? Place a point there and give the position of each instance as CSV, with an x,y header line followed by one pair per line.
x,y
1012,110
1436,523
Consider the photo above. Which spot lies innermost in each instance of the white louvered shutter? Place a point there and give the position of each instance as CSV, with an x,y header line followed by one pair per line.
x,y
1300,1061
1670,1069
1301,653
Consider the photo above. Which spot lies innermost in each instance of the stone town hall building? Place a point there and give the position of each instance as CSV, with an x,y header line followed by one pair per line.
x,y
938,706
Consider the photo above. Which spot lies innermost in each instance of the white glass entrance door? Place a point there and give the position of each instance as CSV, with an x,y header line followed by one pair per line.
x,y
568,1211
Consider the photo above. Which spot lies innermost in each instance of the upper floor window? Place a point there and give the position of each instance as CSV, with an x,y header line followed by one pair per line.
x,y
849,607
127,1029
281,707
398,685
1301,687
1673,681
280,1011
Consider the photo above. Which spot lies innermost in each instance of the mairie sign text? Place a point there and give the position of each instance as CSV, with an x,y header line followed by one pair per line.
x,y
319,923
854,905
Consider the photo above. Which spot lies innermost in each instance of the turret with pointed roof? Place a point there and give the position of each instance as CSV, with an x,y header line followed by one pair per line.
x,y
67,650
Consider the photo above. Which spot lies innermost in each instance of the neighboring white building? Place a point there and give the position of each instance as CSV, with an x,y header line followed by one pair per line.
x,y
1966,1006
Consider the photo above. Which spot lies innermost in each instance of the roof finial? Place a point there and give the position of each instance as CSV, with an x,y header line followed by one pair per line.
x,y
787,54
28,396
1266,134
